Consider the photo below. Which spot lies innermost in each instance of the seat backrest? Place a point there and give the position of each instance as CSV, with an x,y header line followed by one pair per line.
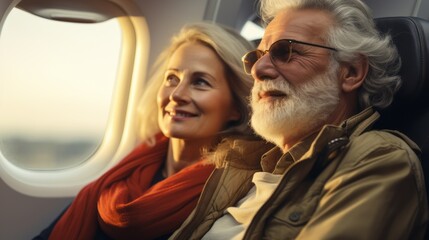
x,y
409,112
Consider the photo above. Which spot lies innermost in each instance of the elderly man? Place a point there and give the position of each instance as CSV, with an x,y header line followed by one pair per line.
x,y
321,71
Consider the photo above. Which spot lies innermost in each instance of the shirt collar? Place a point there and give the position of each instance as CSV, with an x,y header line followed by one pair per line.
x,y
277,162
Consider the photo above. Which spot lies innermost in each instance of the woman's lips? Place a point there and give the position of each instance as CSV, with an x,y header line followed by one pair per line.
x,y
179,114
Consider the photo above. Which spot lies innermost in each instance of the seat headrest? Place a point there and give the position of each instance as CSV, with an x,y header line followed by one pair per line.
x,y
409,111
411,37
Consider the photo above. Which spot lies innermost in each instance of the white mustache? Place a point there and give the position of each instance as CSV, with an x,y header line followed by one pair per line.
x,y
271,85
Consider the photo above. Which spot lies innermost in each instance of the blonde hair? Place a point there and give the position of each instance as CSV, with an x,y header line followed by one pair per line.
x,y
230,47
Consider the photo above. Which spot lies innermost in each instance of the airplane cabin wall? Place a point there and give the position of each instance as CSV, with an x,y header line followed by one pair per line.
x,y
399,8
423,10
166,17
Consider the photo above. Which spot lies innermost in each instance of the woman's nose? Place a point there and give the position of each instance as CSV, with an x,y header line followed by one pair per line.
x,y
181,93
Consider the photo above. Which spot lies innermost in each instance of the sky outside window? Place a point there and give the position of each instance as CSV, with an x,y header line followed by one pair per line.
x,y
56,79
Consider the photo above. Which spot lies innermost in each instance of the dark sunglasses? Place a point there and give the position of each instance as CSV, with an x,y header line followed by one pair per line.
x,y
280,52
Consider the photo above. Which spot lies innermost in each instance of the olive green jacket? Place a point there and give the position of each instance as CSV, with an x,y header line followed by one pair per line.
x,y
348,182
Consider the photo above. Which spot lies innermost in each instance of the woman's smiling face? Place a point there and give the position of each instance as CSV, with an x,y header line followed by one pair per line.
x,y
195,101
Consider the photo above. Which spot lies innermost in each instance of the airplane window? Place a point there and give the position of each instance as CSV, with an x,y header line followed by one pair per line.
x,y
252,31
56,87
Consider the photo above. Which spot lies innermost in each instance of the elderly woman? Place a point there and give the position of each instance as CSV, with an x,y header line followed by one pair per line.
x,y
196,97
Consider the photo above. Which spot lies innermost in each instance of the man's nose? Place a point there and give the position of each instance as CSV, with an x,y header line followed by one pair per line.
x,y
264,69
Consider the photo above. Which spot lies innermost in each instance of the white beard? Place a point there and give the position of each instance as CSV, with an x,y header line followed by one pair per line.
x,y
303,109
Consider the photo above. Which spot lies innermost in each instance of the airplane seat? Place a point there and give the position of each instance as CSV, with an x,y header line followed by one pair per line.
x,y
409,111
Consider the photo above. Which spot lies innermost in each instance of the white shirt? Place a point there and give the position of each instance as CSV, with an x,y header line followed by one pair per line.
x,y
233,224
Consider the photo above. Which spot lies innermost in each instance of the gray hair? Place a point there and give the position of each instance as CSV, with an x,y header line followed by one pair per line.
x,y
354,35
230,46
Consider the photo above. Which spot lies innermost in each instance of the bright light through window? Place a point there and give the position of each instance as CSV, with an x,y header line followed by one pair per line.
x,y
252,31
56,86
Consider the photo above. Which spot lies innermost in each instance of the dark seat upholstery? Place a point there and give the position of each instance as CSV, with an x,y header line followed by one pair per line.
x,y
409,112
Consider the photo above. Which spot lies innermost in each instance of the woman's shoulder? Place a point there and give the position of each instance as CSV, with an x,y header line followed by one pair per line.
x,y
241,149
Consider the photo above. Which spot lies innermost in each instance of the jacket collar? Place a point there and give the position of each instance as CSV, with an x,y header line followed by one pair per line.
x,y
246,153
326,143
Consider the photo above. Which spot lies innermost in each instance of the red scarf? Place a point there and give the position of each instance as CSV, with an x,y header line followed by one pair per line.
x,y
126,207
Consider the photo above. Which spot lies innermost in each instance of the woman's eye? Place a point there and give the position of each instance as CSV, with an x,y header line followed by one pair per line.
x,y
201,82
171,80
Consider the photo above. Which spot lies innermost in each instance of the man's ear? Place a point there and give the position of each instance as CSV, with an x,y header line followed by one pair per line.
x,y
353,74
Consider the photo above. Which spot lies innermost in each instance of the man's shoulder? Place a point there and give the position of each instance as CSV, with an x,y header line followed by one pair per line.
x,y
382,145
386,138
